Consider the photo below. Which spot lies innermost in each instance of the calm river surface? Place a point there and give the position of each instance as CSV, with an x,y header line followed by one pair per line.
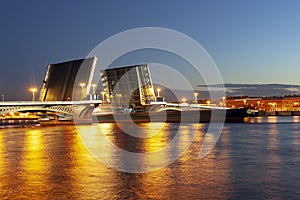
x,y
258,160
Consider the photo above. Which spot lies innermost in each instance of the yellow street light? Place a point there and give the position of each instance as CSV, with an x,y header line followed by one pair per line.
x,y
33,90
208,102
183,100
119,98
103,94
94,88
223,101
196,97
158,90
82,85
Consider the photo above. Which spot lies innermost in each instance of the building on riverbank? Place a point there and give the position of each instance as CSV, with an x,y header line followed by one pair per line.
x,y
285,103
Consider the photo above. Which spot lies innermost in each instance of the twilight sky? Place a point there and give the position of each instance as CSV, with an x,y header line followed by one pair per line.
x,y
250,41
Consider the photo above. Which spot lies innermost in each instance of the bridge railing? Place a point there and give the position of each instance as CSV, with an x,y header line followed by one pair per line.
x,y
41,103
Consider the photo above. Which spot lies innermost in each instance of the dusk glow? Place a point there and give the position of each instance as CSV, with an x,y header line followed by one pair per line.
x,y
250,41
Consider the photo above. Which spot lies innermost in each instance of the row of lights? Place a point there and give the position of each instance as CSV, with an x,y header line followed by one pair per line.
x,y
82,85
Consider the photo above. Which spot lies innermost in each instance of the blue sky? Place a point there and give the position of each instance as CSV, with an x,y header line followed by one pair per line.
x,y
250,41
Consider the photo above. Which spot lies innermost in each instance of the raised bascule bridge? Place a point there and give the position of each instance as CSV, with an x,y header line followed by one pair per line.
x,y
66,89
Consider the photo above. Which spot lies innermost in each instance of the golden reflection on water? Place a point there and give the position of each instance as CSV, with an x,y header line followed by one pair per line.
x,y
296,119
85,171
2,160
273,155
158,139
207,173
34,163
272,119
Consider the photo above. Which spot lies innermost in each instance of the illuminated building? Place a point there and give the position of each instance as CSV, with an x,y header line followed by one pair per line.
x,y
286,103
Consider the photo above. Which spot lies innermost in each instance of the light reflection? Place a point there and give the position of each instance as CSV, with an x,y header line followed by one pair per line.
x,y
159,137
93,138
1,155
272,119
83,163
206,173
153,145
34,150
259,119
90,142
253,119
296,119
273,155
33,160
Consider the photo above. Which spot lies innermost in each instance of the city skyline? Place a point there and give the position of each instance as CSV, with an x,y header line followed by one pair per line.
x,y
251,42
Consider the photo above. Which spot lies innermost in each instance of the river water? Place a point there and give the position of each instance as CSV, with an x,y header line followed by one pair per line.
x,y
255,160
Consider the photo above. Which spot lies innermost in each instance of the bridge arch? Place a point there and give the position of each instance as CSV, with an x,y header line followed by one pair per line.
x,y
59,109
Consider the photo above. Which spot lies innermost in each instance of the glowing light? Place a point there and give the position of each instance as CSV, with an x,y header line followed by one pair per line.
x,y
34,161
82,85
272,119
296,119
223,101
196,95
158,90
33,90
103,95
94,88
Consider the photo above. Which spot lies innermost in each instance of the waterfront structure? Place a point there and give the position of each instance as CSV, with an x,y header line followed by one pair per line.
x,y
129,86
60,80
286,103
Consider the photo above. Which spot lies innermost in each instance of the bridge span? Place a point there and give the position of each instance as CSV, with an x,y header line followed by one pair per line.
x,y
77,109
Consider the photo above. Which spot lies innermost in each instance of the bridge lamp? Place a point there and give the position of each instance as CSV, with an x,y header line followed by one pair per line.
x,y
82,85
33,90
224,103
103,94
94,88
196,97
158,90
183,100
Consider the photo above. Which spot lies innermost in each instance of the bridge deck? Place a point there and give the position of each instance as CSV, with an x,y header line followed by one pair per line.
x,y
48,103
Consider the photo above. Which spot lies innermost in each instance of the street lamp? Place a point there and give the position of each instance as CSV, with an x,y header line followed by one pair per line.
x,y
103,94
196,95
94,87
158,90
119,98
223,99
33,90
183,100
2,98
82,85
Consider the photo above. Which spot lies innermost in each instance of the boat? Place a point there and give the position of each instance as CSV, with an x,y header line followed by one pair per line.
x,y
170,114
256,113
